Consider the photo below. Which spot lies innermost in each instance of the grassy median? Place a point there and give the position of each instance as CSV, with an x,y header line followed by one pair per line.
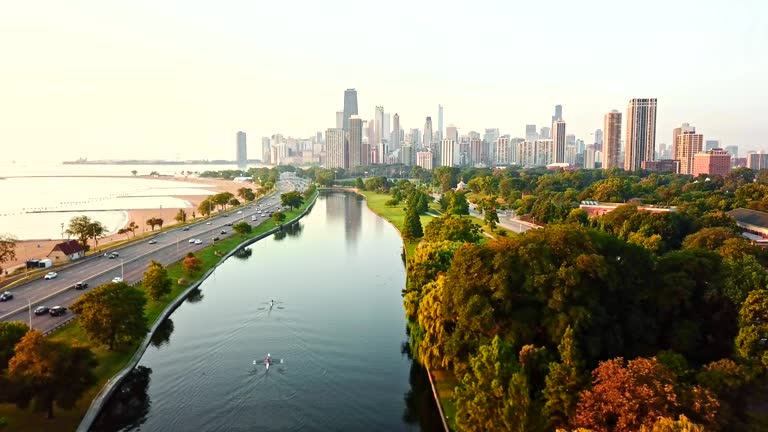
x,y
111,362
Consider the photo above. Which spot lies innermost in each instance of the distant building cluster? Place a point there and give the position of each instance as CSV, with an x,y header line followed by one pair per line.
x,y
626,141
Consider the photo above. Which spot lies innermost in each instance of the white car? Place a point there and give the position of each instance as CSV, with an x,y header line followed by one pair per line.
x,y
239,212
209,223
198,241
50,275
117,279
192,240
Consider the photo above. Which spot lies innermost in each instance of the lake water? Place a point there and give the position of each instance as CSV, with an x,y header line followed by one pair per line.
x,y
339,326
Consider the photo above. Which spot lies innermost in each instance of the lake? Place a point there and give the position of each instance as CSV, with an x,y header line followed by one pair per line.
x,y
338,324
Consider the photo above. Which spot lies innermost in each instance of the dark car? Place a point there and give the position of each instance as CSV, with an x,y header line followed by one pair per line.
x,y
81,285
6,296
41,310
223,232
57,311
216,239
113,255
230,224
185,229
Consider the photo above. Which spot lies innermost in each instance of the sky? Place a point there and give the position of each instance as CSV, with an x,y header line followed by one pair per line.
x,y
177,79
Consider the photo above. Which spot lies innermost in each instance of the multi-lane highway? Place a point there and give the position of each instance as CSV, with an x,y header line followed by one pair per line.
x,y
170,246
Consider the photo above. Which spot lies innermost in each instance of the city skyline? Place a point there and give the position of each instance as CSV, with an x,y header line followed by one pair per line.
x,y
177,80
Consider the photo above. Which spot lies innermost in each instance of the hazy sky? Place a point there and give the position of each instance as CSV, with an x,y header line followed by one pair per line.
x,y
157,79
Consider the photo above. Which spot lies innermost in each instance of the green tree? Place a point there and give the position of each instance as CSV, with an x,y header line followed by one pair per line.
x,y
112,314
134,172
242,228
181,216
491,218
578,216
191,263
564,382
359,184
132,226
153,222
292,199
11,333
753,328
244,192
278,217
83,228
452,228
205,207
156,281
412,229
431,351
7,248
234,202
459,205
709,238
49,372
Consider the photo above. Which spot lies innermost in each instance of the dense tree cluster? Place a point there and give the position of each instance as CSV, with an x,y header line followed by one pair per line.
x,y
629,321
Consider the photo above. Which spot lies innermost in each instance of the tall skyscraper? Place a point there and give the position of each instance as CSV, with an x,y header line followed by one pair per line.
x,y
589,156
598,138
545,133
426,142
242,151
640,143
395,138
685,127
733,150
339,119
503,152
337,152
386,128
558,138
355,141
350,106
612,140
440,121
531,134
448,152
378,124
452,133
265,150
688,144
558,114
415,138
711,145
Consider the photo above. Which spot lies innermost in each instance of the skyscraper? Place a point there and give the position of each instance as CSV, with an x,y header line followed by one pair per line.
x,y
447,152
715,161
336,149
395,138
265,150
598,139
733,150
426,142
350,106
640,143
685,127
242,151
386,128
688,144
355,141
711,145
440,121
339,119
452,133
612,140
558,114
545,133
531,134
378,145
558,138
589,156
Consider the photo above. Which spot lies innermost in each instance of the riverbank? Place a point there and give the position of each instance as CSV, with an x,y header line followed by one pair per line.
x,y
110,363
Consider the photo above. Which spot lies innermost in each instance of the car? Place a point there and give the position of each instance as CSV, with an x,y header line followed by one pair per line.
x,y
225,215
223,232
57,311
192,240
6,296
216,239
50,275
185,229
117,279
253,218
239,212
41,310
229,224
80,285
153,241
198,241
113,255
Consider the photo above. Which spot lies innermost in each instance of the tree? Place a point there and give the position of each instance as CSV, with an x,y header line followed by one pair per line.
x,y
11,333
242,228
191,263
234,202
134,172
156,281
132,226
359,185
205,206
181,216
278,217
125,231
709,238
458,205
49,372
578,216
112,314
152,222
292,199
7,248
244,193
412,224
84,228
753,328
453,228
491,218
564,382
682,424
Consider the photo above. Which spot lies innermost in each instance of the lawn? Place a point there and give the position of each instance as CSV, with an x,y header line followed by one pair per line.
x,y
111,362
445,384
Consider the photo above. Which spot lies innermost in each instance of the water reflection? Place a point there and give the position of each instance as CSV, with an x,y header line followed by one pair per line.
x,y
129,405
293,230
243,253
162,335
195,296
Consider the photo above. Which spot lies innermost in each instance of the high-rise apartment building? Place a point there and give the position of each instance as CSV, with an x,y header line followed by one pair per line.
x,y
425,159
685,127
711,144
440,129
558,137
407,154
242,151
558,114
733,150
531,134
589,156
545,133
265,148
448,152
415,138
339,119
598,139
503,151
688,144
337,152
395,138
476,155
355,141
350,106
426,142
640,143
715,161
612,140
452,133
386,128
757,160
570,154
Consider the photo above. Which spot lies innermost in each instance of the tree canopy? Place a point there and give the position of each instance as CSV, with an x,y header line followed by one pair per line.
x,y
112,314
156,281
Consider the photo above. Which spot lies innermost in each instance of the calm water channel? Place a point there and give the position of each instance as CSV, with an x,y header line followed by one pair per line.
x,y
339,326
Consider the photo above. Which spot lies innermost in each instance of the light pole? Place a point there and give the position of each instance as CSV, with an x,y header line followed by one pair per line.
x,y
29,303
122,270
62,231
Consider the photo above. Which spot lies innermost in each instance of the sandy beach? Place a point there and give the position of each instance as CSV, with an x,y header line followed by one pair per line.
x,y
31,249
